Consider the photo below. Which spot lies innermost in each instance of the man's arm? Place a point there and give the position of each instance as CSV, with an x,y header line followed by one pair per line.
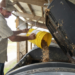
x,y
16,38
17,32
20,31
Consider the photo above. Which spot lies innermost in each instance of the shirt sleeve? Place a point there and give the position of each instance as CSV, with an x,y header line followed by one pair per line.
x,y
5,31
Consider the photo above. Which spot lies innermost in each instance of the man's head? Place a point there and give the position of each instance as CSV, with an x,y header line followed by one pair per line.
x,y
5,12
6,7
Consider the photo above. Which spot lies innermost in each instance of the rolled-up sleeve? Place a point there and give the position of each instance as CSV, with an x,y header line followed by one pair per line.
x,y
5,31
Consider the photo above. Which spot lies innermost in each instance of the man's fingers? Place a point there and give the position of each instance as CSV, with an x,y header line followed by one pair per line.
x,y
32,36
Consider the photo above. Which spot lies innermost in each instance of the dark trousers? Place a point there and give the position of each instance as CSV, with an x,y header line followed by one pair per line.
x,y
1,68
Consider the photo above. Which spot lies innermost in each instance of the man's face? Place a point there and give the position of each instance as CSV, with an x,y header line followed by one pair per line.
x,y
6,13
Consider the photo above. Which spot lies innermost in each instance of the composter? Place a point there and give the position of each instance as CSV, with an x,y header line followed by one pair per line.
x,y
60,20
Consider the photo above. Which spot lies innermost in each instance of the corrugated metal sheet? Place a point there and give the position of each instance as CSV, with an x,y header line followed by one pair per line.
x,y
17,8
37,10
26,8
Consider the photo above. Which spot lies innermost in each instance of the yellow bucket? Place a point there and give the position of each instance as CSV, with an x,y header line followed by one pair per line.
x,y
40,35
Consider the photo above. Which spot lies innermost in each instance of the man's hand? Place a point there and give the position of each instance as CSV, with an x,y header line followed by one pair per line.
x,y
25,30
32,36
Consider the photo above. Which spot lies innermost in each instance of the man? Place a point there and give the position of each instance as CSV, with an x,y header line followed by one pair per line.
x,y
5,33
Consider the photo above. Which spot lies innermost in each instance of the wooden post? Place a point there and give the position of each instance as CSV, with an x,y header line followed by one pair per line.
x,y
18,45
26,41
31,43
31,46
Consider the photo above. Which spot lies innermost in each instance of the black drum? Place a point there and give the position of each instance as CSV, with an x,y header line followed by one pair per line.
x,y
35,56
49,68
